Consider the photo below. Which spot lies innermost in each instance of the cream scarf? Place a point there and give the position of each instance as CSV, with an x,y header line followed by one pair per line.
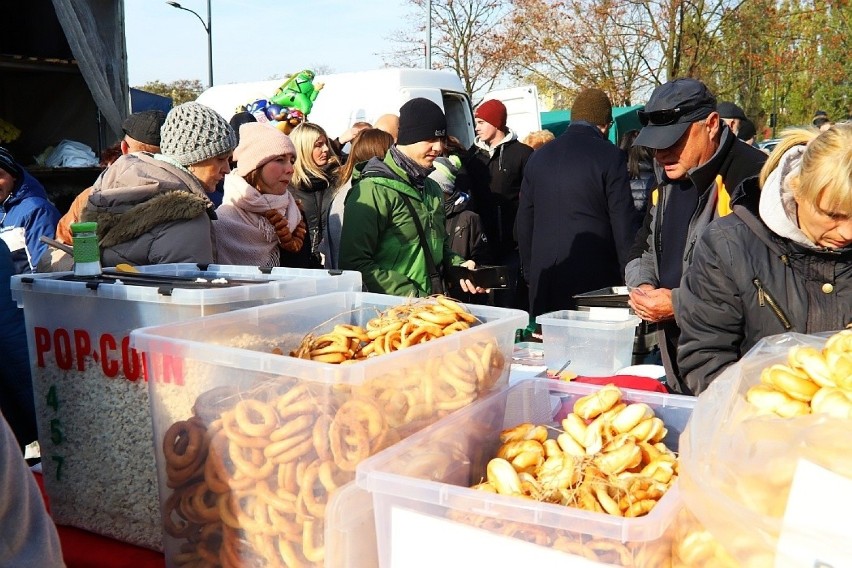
x,y
243,235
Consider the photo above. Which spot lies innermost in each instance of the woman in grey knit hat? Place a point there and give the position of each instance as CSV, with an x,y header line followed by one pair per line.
x,y
153,208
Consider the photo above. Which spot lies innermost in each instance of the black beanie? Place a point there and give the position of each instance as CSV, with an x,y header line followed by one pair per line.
x,y
8,163
420,119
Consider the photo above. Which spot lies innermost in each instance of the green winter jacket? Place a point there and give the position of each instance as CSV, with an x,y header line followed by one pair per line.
x,y
379,238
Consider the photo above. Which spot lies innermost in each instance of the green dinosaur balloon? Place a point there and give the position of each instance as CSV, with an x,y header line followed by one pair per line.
x,y
299,92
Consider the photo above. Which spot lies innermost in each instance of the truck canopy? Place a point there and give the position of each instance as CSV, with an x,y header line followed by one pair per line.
x,y
624,119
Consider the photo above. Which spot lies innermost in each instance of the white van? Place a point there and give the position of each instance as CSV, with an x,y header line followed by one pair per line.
x,y
347,98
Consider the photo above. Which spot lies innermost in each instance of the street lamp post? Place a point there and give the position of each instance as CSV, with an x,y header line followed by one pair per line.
x,y
208,27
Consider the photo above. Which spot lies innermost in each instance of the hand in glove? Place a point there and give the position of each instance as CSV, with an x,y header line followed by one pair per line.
x,y
286,240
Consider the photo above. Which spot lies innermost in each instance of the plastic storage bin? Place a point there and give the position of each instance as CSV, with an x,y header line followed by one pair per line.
x,y
90,386
421,486
223,379
615,297
591,344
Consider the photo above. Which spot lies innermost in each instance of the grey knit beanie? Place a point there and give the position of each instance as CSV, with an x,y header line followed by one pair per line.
x,y
193,133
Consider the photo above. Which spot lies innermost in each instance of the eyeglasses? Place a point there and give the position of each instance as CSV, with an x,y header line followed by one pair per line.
x,y
664,117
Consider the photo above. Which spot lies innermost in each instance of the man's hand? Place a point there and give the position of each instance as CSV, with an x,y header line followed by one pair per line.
x,y
652,304
291,242
467,285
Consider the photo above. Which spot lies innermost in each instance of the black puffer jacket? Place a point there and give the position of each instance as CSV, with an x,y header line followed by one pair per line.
x,y
747,282
315,199
496,175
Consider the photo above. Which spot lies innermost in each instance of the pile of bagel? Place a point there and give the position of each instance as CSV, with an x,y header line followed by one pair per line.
x,y
814,381
393,329
609,457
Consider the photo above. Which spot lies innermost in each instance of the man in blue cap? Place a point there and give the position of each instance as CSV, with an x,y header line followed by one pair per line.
x,y
700,167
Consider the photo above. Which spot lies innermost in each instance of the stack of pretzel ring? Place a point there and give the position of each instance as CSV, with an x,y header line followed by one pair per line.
x,y
251,472
394,329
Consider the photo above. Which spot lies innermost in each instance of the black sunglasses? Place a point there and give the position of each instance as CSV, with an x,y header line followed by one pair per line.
x,y
666,116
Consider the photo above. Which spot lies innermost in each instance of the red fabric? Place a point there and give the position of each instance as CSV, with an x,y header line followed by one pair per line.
x,y
84,549
626,382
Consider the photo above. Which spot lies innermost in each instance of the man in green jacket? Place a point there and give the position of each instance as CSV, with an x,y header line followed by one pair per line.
x,y
380,237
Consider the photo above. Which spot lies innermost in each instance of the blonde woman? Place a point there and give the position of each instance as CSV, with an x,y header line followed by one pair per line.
x,y
315,180
786,267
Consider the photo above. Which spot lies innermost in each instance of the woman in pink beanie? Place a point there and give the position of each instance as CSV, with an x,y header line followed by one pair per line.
x,y
258,216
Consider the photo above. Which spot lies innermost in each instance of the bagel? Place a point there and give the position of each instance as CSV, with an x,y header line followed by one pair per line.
x,y
794,383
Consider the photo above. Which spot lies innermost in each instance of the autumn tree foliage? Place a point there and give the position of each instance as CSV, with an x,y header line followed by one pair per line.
x,y
179,91
781,57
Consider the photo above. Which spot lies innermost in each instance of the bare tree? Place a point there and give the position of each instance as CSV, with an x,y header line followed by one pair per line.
x,y
462,38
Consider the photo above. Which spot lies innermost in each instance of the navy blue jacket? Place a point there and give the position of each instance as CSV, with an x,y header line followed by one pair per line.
x,y
16,389
574,218
28,207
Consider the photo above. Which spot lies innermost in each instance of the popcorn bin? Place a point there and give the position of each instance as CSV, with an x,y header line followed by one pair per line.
x,y
252,443
440,482
90,386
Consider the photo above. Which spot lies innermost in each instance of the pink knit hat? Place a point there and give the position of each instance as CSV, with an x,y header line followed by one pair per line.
x,y
260,143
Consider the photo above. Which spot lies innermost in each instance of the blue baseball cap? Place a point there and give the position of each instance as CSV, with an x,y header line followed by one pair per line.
x,y
672,108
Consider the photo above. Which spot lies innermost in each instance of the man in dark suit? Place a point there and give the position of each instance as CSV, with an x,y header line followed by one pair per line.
x,y
575,210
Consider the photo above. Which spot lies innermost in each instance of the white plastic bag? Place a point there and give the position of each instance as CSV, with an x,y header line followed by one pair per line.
x,y
737,468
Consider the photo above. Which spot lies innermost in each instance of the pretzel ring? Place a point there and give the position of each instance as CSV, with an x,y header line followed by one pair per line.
x,y
336,357
201,504
287,411
280,500
255,465
210,404
461,312
287,477
295,452
280,447
292,427
233,431
313,552
297,393
382,329
319,435
313,493
352,331
350,443
210,542
183,443
216,471
330,350
180,528
288,554
247,410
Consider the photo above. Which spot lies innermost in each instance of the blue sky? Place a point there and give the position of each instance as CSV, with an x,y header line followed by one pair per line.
x,y
255,40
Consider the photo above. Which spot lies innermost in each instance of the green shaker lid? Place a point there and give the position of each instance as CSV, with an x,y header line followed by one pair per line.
x,y
89,227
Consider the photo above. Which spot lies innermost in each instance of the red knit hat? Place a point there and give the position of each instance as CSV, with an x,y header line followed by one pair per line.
x,y
493,112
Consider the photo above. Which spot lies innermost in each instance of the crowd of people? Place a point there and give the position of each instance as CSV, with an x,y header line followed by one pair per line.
x,y
719,243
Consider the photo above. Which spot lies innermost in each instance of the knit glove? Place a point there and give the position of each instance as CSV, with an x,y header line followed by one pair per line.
x,y
291,242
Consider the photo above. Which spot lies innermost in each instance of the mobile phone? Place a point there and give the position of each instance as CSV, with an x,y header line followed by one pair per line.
x,y
487,277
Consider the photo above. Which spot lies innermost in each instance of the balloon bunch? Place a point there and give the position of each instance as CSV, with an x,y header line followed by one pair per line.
x,y
291,103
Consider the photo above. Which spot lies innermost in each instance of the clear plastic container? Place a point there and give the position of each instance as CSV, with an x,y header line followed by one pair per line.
x,y
208,370
90,385
422,485
593,344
